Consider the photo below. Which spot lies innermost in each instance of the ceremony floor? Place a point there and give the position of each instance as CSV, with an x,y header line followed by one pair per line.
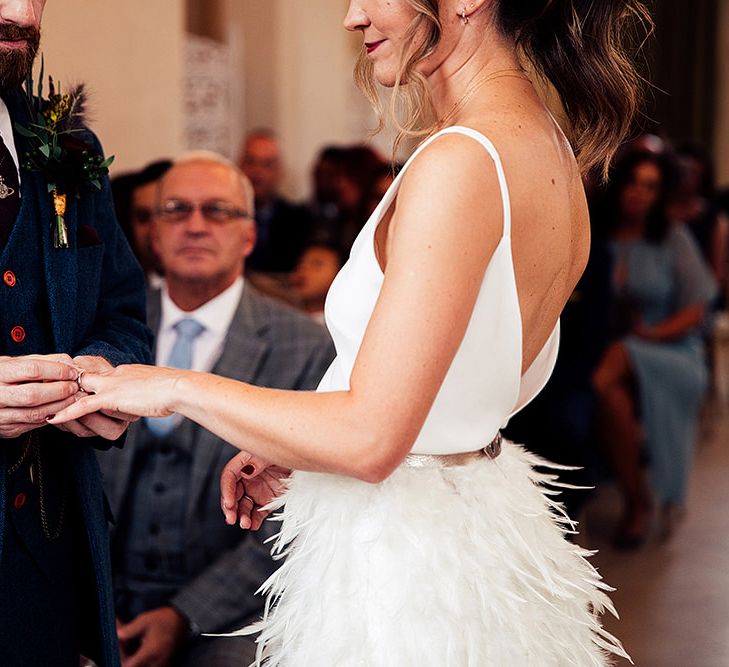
x,y
673,598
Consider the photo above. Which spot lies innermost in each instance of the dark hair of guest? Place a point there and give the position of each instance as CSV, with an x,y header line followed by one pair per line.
x,y
124,185
323,238
707,187
606,212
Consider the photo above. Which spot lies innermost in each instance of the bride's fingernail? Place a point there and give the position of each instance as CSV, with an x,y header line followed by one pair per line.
x,y
248,470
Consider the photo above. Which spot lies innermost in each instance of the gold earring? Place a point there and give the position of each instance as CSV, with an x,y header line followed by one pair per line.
x,y
464,17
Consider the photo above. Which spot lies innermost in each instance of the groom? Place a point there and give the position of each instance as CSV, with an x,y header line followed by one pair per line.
x,y
61,309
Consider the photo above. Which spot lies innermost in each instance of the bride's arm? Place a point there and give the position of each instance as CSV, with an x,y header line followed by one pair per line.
x,y
447,224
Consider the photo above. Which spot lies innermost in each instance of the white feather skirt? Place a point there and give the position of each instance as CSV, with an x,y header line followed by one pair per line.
x,y
463,566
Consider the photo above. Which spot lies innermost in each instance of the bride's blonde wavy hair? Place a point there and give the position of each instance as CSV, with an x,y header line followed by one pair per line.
x,y
410,108
583,48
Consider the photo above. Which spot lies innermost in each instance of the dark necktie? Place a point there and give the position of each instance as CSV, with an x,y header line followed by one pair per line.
x,y
9,193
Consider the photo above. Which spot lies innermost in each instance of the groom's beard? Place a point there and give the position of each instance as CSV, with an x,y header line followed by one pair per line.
x,y
16,63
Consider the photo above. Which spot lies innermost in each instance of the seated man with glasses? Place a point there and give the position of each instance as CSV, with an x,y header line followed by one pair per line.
x,y
179,570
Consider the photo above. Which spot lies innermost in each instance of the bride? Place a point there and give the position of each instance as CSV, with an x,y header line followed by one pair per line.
x,y
412,534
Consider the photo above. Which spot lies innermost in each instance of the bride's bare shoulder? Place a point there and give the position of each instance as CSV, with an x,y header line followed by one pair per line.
x,y
542,175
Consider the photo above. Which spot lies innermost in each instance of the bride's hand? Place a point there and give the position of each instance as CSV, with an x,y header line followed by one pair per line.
x,y
247,485
143,391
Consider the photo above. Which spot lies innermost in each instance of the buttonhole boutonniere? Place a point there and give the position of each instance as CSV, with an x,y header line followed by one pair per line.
x,y
57,149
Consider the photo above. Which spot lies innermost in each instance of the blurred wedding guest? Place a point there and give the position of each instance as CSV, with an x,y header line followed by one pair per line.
x,y
135,200
360,166
178,569
314,274
695,203
282,227
646,143
354,170
651,379
323,205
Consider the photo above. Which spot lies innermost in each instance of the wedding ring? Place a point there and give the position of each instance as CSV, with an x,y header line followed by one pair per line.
x,y
78,379
248,498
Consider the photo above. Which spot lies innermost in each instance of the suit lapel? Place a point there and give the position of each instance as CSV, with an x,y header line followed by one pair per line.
x,y
247,341
246,346
59,264
154,311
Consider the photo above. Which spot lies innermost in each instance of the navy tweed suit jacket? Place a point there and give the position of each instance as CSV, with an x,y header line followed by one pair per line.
x,y
96,306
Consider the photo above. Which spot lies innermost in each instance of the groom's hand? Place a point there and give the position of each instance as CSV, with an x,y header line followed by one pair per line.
x,y
108,425
32,388
158,633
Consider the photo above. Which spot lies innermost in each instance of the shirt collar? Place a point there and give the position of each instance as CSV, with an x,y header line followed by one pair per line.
x,y
215,315
6,130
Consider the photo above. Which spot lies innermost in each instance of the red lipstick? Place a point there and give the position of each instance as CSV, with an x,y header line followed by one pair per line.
x,y
371,46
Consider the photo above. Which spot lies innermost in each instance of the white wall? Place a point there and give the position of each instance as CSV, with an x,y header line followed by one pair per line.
x,y
292,70
129,52
317,101
296,61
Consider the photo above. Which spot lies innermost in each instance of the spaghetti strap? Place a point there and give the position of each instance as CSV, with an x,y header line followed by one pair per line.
x,y
454,129
491,149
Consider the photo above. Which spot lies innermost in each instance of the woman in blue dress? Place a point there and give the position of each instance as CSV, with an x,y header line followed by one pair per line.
x,y
651,381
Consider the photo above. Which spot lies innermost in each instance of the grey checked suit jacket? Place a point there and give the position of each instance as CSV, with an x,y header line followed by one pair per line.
x,y
268,344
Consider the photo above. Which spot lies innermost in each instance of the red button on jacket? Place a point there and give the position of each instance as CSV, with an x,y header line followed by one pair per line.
x,y
9,279
19,501
17,334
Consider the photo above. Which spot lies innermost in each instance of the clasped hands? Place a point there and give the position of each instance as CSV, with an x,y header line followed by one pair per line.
x,y
33,388
247,484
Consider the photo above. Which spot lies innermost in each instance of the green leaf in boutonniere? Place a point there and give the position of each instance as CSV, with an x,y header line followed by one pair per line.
x,y
57,149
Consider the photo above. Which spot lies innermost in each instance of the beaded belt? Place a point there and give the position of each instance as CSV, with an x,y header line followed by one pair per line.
x,y
491,451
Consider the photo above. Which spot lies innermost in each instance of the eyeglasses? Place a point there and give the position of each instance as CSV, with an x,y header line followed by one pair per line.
x,y
180,210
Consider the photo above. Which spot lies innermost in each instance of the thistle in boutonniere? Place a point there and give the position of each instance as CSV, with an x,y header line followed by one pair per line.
x,y
57,149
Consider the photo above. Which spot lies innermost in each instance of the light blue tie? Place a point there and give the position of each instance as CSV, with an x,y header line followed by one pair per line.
x,y
180,357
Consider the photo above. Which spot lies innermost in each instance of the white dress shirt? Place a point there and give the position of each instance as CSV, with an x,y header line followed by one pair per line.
x,y
216,316
6,131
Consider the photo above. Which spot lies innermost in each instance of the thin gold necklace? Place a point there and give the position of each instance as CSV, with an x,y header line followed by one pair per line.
x,y
508,73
